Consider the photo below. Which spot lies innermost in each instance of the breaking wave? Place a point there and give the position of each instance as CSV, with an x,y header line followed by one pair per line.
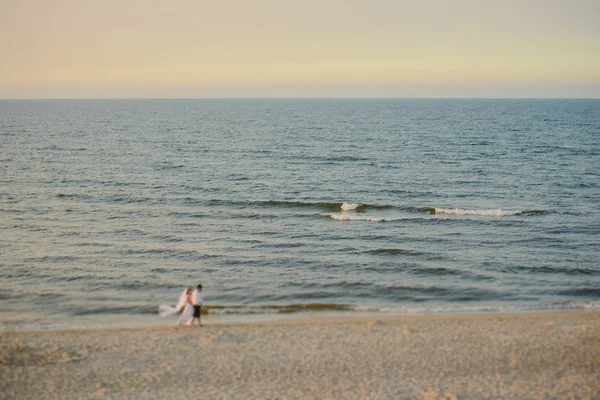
x,y
459,211
343,216
398,309
363,207
323,205
360,208
349,206
358,212
482,212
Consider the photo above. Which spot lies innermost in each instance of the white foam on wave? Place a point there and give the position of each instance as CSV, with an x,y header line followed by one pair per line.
x,y
349,206
459,211
591,305
354,217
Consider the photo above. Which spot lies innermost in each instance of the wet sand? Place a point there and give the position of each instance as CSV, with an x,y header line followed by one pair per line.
x,y
539,355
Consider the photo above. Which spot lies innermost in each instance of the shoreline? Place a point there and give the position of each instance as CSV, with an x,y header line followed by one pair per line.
x,y
128,322
135,322
221,321
547,354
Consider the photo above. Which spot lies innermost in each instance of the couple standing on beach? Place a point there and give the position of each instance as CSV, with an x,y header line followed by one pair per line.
x,y
191,302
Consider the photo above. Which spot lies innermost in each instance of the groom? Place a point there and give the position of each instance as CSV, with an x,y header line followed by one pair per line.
x,y
197,303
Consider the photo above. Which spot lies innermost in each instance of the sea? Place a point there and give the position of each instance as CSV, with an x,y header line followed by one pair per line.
x,y
296,207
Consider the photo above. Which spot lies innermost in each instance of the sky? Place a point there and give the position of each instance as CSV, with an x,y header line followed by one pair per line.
x,y
301,48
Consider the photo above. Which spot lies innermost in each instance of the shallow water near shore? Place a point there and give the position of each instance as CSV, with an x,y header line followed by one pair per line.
x,y
109,208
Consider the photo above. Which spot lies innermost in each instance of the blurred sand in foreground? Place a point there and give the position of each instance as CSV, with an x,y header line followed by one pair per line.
x,y
486,356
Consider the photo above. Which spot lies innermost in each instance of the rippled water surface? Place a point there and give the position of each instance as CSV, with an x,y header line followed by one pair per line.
x,y
110,207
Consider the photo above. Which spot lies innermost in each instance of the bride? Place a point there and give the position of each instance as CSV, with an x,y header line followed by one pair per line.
x,y
184,302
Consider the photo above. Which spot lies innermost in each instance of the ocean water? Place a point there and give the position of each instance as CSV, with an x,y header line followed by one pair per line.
x,y
109,208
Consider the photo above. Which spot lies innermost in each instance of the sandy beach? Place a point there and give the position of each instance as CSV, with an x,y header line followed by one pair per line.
x,y
474,356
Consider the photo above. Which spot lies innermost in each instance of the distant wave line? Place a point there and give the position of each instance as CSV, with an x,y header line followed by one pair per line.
x,y
293,308
343,207
350,207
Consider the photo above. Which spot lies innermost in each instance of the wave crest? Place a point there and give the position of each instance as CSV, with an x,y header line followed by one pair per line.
x,y
349,206
458,211
354,217
483,212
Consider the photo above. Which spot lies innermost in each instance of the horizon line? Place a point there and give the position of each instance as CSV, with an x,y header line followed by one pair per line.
x,y
302,98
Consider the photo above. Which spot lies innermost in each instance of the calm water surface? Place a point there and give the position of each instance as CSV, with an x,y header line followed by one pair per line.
x,y
109,208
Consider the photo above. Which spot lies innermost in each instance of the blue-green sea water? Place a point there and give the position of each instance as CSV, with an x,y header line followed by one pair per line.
x,y
109,208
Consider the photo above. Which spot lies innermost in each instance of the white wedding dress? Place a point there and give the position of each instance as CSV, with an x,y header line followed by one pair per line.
x,y
188,310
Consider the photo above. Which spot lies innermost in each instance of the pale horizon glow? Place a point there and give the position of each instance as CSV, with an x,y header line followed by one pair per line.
x,y
277,48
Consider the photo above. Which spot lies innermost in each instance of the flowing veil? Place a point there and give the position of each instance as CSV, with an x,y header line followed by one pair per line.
x,y
165,310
